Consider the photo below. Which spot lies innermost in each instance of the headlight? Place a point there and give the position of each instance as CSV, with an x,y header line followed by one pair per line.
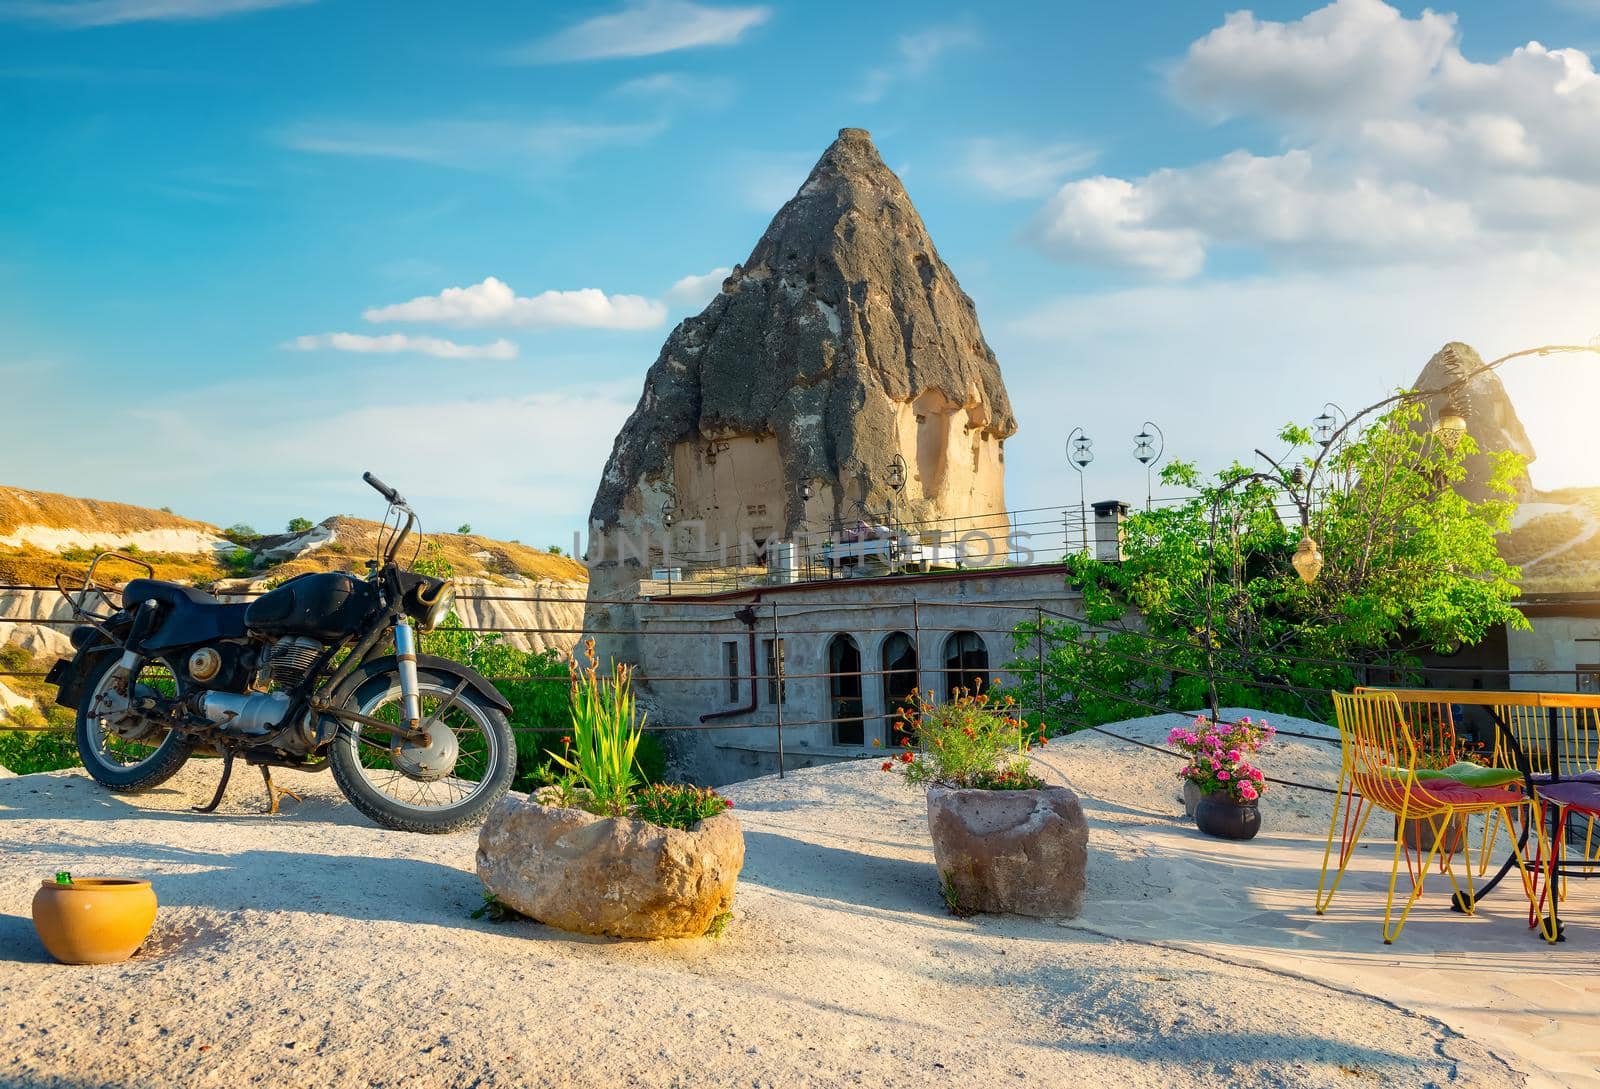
x,y
436,601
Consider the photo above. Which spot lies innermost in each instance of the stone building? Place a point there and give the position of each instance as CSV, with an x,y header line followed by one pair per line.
x,y
833,661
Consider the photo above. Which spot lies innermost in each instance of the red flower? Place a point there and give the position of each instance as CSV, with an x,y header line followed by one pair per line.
x,y
906,758
566,741
888,766
728,802
1043,740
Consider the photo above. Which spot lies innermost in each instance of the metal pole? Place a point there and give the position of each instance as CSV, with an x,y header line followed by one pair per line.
x,y
1083,516
1038,638
916,640
777,672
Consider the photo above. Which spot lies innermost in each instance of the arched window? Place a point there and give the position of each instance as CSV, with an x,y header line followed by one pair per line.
x,y
966,662
899,680
844,688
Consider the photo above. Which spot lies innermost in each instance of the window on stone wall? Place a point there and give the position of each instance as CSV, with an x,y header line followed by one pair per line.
x,y
966,662
730,668
772,651
844,691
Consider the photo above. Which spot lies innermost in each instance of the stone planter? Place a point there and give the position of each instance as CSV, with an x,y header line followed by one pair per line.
x,y
609,875
1191,797
1420,833
1221,816
94,920
1022,852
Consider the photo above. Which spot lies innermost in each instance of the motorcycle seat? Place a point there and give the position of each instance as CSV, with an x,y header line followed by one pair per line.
x,y
188,615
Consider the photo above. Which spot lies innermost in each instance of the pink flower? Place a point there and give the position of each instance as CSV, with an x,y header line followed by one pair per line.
x,y
1215,765
1255,773
1248,792
1224,776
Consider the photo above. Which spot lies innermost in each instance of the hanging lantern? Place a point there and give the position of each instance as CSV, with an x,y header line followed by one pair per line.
x,y
1081,452
1307,560
1451,424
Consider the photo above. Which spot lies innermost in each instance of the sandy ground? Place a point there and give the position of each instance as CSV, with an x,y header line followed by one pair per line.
x,y
313,949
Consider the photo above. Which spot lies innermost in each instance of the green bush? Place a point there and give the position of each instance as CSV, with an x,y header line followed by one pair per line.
x,y
30,750
299,525
677,805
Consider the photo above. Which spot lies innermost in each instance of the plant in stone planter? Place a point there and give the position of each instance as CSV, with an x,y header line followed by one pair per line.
x,y
602,853
1003,841
1218,767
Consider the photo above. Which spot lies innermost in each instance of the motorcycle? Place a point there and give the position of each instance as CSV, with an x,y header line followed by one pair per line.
x,y
302,677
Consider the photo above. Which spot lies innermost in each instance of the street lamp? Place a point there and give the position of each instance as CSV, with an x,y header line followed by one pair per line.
x,y
1330,423
1148,448
1080,453
895,477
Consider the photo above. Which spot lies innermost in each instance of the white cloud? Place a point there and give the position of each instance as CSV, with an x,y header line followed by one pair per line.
x,y
645,28
397,343
678,89
1106,220
693,292
493,303
1402,151
467,145
1353,57
1015,168
914,56
89,13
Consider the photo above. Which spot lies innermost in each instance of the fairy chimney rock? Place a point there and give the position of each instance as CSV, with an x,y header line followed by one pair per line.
x,y
1492,419
840,342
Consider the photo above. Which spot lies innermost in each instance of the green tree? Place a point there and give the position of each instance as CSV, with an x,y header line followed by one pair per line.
x,y
1206,608
464,527
299,525
554,550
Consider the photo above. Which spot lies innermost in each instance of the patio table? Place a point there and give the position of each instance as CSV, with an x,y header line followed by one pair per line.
x,y
1564,783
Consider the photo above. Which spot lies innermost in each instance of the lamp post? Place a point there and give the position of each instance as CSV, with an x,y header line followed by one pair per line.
x,y
1080,453
895,477
669,514
1148,448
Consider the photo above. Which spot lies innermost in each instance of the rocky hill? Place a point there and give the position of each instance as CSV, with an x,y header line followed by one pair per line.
x,y
43,535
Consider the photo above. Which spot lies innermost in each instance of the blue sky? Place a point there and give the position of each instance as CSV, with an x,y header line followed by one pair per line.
x,y
214,209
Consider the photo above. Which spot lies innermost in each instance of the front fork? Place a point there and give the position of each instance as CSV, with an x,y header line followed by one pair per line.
x,y
405,653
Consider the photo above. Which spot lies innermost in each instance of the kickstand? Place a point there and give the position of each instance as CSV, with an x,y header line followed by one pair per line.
x,y
275,792
216,799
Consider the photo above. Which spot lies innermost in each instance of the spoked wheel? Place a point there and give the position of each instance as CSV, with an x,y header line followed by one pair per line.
x,y
121,747
445,785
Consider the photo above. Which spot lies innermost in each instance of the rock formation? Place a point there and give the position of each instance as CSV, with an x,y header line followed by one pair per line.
x,y
840,343
1491,418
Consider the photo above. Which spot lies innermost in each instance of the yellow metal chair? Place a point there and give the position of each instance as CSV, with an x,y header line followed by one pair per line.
x,y
1378,770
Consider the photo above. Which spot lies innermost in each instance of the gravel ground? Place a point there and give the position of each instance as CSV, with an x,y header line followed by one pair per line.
x,y
312,949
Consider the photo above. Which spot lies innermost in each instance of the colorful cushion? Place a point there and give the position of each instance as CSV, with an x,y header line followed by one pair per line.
x,y
1476,775
1440,792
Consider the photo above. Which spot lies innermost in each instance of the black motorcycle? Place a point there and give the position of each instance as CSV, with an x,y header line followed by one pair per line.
x,y
302,677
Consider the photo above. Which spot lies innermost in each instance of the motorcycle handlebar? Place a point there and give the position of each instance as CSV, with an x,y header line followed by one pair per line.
x,y
383,489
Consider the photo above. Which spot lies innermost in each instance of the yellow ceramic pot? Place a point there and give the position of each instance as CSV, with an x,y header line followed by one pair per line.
x,y
94,920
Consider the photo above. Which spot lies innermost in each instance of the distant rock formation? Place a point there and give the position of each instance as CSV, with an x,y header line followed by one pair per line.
x,y
1491,417
841,342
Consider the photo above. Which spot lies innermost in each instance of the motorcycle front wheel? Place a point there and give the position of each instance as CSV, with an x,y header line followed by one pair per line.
x,y
386,785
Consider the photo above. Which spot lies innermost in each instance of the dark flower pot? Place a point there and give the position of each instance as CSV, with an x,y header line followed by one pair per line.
x,y
1221,816
1420,833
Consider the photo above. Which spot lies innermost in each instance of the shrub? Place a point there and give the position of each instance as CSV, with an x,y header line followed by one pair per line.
x,y
605,734
677,805
241,534
975,740
30,750
299,525
464,527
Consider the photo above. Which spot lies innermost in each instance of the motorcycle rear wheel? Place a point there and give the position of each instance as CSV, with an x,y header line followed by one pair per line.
x,y
117,762
367,775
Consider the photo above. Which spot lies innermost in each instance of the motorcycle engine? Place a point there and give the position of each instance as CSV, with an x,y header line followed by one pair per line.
x,y
289,659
